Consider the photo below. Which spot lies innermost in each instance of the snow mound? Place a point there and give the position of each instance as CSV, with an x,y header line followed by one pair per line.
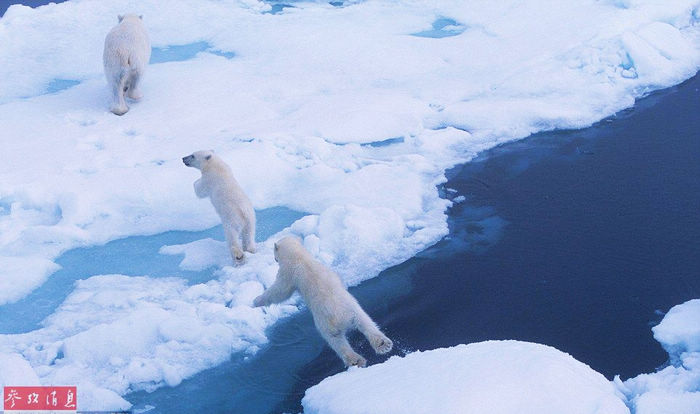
x,y
679,331
674,389
200,254
489,377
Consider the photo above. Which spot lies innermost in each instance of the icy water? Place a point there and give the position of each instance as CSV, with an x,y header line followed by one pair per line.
x,y
131,256
575,239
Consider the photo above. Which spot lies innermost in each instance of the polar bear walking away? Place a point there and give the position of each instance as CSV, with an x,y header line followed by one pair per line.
x,y
334,309
229,200
126,54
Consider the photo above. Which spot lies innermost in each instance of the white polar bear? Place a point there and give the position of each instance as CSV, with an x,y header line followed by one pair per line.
x,y
126,54
334,309
229,200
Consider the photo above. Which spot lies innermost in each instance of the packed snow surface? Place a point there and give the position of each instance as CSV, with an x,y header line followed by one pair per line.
x,y
679,331
496,377
674,389
349,112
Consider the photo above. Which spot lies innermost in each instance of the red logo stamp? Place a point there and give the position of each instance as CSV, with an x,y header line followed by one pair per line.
x,y
40,398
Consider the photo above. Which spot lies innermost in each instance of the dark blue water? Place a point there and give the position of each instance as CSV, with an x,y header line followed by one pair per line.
x,y
575,239
603,231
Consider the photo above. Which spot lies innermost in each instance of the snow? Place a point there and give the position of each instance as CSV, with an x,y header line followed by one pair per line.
x,y
487,377
350,114
674,389
679,331
200,254
16,371
21,274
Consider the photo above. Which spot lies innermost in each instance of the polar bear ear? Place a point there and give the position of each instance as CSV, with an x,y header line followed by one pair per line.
x,y
120,17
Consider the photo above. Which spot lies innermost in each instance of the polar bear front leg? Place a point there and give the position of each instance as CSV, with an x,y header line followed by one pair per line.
x,y
200,189
280,291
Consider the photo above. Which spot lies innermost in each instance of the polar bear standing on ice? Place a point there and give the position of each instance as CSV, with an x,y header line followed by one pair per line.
x,y
229,200
334,309
126,54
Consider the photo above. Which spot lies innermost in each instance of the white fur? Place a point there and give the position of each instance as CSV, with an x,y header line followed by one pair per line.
x,y
334,309
229,200
126,54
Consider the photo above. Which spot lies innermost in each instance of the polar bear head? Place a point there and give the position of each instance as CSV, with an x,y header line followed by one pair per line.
x,y
128,17
198,159
288,249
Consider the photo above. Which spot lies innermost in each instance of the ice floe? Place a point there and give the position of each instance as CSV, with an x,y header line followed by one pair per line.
x,y
488,377
674,389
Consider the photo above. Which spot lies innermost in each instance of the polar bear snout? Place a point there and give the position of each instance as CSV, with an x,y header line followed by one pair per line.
x,y
188,160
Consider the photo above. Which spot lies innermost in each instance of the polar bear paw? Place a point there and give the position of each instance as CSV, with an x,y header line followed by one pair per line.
x,y
119,109
237,254
381,344
354,360
135,94
259,301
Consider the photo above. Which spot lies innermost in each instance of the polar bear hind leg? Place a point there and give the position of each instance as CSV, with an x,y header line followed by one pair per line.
x,y
248,236
380,342
232,237
119,106
134,79
339,343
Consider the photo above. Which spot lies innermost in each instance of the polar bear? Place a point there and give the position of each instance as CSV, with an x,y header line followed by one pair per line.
x,y
334,309
126,54
229,200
